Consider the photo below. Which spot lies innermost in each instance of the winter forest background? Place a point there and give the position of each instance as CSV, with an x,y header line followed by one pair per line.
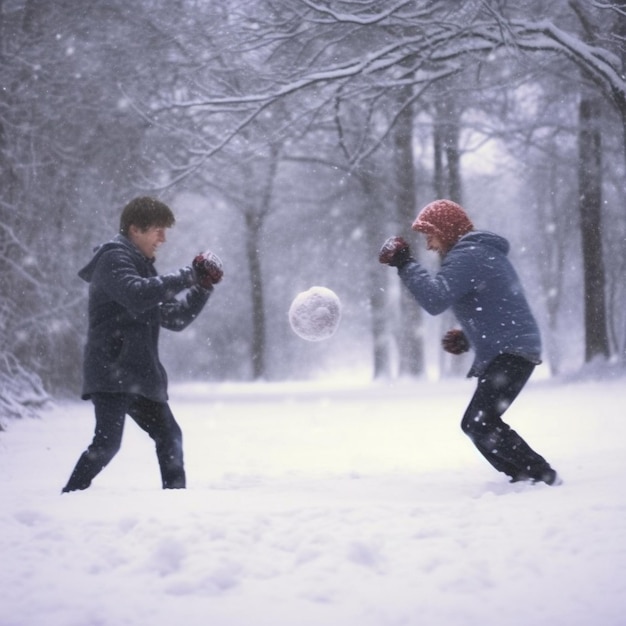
x,y
292,137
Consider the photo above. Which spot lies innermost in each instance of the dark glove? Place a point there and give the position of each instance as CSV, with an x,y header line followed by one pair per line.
x,y
208,269
395,252
188,274
455,342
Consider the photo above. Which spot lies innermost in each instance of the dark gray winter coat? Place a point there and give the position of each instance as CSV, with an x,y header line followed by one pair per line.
x,y
477,281
128,303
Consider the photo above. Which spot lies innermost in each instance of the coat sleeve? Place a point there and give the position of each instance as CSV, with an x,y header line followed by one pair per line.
x,y
177,314
116,274
437,293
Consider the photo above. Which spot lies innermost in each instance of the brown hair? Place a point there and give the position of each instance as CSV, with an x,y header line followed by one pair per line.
x,y
145,212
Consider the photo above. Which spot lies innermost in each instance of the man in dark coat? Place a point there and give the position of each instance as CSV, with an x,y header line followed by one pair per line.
x,y
478,283
128,303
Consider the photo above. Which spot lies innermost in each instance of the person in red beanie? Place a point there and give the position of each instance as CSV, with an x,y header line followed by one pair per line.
x,y
478,282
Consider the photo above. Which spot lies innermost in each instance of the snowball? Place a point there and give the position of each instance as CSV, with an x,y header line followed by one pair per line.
x,y
315,314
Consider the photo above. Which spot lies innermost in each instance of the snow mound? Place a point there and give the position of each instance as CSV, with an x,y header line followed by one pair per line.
x,y
22,393
314,314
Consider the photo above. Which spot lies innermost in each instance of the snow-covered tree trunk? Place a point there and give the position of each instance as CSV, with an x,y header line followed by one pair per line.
x,y
410,333
590,199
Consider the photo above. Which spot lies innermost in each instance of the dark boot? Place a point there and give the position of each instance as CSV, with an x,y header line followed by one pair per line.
x,y
510,454
171,464
89,465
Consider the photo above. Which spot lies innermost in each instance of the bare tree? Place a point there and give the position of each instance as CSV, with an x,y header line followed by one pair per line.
x,y
590,206
340,51
230,93
70,148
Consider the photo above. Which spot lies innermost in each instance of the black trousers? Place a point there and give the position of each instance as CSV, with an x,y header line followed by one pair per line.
x,y
501,383
155,418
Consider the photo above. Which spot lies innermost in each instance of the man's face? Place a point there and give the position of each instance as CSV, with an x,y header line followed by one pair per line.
x,y
147,240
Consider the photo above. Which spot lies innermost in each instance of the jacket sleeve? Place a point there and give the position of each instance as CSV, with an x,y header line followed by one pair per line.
x,y
116,274
437,293
177,314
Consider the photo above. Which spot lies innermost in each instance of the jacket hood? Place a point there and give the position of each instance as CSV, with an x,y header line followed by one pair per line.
x,y
485,238
119,242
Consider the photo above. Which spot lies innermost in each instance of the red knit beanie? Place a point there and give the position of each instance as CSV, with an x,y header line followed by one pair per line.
x,y
445,219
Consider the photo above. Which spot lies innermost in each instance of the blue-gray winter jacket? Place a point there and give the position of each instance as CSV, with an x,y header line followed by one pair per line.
x,y
477,281
128,303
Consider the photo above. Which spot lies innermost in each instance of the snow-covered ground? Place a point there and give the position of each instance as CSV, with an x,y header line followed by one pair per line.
x,y
321,506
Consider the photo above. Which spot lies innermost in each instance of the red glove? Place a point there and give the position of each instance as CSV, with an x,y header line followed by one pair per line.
x,y
455,342
208,269
395,252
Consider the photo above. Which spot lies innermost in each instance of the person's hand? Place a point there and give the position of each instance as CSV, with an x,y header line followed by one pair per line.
x,y
208,269
455,342
395,252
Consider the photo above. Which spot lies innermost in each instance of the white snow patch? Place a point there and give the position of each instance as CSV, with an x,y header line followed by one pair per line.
x,y
365,506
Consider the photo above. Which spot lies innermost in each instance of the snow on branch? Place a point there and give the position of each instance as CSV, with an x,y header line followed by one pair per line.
x,y
362,20
600,63
438,45
11,249
611,6
21,392
432,48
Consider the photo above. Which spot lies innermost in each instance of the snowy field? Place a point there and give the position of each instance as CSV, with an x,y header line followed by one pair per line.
x,y
321,506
